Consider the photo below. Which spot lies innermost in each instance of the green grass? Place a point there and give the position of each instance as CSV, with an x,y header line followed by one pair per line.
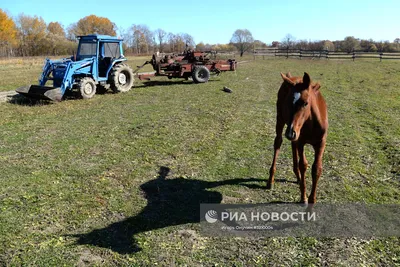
x,y
79,178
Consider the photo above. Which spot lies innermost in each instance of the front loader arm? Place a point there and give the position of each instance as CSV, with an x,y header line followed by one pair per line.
x,y
47,69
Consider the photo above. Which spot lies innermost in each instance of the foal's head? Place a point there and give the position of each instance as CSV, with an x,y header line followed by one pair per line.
x,y
298,103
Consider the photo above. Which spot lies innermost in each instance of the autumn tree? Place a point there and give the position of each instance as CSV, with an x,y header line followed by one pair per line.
x,y
92,25
56,28
259,44
56,40
8,34
350,44
328,45
243,40
225,47
201,47
32,35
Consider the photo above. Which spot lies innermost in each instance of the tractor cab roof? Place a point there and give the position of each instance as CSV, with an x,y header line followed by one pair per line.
x,y
99,37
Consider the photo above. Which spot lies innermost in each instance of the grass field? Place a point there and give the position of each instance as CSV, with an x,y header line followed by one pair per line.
x,y
79,178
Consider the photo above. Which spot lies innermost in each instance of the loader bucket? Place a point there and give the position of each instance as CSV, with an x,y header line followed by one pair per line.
x,y
41,92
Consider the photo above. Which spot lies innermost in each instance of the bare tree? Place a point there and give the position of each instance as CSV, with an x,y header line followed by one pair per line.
x,y
140,38
171,42
243,40
288,41
188,39
160,35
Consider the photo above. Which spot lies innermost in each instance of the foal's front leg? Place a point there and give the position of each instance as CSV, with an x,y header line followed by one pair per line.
x,y
316,170
277,146
303,168
295,154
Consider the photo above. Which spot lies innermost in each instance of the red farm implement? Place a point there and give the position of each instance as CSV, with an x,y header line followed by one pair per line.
x,y
190,64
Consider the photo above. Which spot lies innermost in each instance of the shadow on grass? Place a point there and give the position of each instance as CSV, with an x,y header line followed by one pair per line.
x,y
169,202
68,96
166,83
257,186
24,101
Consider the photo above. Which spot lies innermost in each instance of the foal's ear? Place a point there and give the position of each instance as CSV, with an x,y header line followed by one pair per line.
x,y
316,86
286,79
306,79
289,75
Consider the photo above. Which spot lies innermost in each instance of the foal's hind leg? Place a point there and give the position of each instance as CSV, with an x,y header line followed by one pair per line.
x,y
277,146
316,170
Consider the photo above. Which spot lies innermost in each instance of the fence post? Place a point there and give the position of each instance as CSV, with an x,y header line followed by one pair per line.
x,y
287,52
354,55
380,57
300,53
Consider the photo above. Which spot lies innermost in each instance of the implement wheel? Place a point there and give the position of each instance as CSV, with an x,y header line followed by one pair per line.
x,y
87,88
200,74
121,78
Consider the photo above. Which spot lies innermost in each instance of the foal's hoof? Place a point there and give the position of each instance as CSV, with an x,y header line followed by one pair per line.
x,y
303,203
310,208
270,186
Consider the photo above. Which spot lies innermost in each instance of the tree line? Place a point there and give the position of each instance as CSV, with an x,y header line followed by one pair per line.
x,y
32,36
349,44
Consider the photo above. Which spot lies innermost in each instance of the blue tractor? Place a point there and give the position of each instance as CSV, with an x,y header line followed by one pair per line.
x,y
99,64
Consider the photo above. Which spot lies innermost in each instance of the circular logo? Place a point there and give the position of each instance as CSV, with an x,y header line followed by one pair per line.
x,y
211,216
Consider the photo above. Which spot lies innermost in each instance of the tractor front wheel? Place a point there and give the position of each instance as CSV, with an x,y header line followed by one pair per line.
x,y
87,88
121,79
200,74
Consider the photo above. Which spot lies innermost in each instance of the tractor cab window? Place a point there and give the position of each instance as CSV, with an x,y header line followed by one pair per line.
x,y
110,50
87,50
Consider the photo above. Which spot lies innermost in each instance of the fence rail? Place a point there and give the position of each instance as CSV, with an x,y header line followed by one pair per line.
x,y
324,54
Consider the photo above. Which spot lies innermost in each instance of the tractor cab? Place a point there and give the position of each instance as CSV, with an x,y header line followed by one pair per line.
x,y
103,47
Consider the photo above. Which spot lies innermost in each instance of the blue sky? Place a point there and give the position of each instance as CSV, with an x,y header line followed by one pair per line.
x,y
215,21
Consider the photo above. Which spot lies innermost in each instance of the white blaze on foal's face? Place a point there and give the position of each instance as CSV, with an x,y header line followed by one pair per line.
x,y
296,97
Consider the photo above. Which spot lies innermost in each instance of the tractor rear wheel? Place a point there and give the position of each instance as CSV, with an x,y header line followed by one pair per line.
x,y
200,74
121,78
87,88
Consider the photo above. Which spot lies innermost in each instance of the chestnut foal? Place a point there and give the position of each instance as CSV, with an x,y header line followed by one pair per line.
x,y
302,108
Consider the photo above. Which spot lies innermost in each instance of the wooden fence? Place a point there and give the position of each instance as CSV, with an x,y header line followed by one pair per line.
x,y
323,54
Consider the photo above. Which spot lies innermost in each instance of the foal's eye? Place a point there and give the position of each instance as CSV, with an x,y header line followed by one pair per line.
x,y
305,104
